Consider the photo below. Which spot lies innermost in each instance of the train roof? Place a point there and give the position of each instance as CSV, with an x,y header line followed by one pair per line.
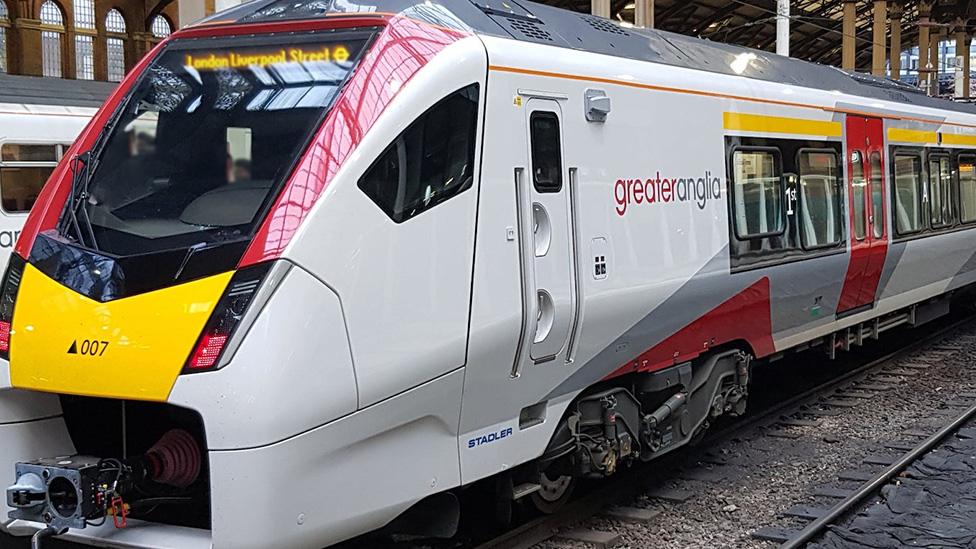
x,y
532,22
33,90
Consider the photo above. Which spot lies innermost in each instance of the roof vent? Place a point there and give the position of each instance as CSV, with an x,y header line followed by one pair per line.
x,y
529,29
604,25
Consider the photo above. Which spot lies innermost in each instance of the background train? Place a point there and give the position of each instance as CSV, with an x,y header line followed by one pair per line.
x,y
39,119
311,268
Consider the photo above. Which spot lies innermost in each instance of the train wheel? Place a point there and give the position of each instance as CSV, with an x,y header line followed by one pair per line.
x,y
555,492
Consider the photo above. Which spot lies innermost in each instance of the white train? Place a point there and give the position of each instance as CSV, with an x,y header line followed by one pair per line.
x,y
311,268
39,119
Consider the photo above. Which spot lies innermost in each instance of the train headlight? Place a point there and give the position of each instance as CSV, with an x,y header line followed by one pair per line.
x,y
8,297
226,318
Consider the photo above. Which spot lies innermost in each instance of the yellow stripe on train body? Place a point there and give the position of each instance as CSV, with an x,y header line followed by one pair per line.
x,y
131,348
904,135
760,123
958,139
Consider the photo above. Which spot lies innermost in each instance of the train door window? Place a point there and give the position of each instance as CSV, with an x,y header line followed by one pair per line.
x,y
858,183
820,213
24,168
967,188
430,162
757,193
907,210
547,162
940,191
877,196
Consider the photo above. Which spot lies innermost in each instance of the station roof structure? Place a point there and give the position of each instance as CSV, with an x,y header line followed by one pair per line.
x,y
53,91
815,26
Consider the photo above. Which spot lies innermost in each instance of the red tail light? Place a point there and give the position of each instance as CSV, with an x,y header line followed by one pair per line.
x,y
207,351
226,318
4,336
8,297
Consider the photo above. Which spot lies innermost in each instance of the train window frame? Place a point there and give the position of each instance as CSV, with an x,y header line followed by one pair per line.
x,y
778,164
557,185
399,213
60,150
921,188
849,182
937,155
838,198
878,216
959,159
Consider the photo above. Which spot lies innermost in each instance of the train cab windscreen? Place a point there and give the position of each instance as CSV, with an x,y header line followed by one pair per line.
x,y
207,137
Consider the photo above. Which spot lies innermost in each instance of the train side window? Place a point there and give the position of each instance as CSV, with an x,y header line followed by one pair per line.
x,y
967,188
547,162
907,209
15,152
940,191
820,192
24,168
858,183
757,193
430,162
877,196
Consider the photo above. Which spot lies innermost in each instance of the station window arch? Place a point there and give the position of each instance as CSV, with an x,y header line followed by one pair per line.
x,y
84,12
160,27
52,18
115,44
4,25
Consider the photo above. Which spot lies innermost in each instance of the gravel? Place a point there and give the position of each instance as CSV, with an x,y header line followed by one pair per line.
x,y
766,475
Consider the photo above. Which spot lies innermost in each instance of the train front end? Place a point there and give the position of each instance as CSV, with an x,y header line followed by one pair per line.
x,y
166,368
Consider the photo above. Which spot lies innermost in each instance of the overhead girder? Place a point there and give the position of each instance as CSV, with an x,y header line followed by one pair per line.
x,y
157,8
815,28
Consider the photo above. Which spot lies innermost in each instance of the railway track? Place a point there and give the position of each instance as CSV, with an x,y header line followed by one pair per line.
x,y
874,484
626,485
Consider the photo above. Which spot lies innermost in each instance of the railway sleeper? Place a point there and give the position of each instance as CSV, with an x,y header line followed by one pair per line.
x,y
654,414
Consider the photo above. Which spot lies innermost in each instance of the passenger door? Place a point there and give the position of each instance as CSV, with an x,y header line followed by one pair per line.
x,y
545,239
866,207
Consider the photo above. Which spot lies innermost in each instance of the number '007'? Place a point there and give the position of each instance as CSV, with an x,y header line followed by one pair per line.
x,y
93,347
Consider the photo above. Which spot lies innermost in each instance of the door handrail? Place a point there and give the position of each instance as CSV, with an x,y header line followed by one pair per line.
x,y
523,199
577,274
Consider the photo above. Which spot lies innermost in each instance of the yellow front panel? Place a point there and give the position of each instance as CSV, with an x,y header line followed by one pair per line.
x,y
64,342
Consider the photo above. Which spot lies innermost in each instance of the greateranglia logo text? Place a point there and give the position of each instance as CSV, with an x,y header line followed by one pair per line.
x,y
700,190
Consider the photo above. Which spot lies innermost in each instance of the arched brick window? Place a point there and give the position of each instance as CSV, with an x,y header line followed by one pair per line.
x,y
4,25
115,44
84,39
160,27
52,20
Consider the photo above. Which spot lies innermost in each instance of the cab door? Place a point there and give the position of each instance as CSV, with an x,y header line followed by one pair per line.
x,y
867,209
545,236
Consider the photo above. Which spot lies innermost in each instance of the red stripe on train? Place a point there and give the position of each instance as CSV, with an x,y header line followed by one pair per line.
x,y
745,317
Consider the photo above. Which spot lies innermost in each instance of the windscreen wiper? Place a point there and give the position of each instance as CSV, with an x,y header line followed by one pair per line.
x,y
75,221
74,217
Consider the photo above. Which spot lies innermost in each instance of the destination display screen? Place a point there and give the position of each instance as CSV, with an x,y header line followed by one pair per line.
x,y
338,53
